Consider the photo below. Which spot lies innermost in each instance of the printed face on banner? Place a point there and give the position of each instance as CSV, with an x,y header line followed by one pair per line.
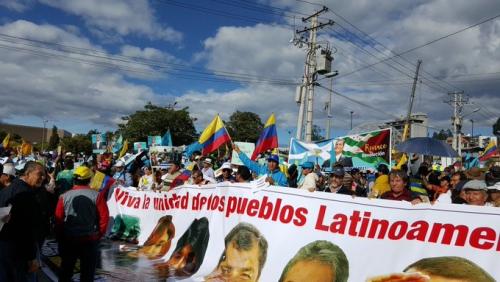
x,y
313,271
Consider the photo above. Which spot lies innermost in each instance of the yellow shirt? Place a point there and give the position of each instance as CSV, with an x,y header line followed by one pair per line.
x,y
381,185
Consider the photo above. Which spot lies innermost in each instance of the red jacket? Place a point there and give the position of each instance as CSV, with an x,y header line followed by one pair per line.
x,y
82,214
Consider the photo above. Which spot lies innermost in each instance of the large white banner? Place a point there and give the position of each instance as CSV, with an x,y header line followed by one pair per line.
x,y
240,232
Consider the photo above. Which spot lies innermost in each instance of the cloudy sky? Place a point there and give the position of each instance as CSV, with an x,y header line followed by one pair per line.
x,y
83,64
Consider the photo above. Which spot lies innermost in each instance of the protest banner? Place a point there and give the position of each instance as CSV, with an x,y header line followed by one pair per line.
x,y
366,150
99,143
246,148
181,233
154,141
140,146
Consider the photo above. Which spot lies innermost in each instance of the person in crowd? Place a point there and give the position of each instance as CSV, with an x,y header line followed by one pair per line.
x,y
122,176
493,175
292,176
147,180
317,261
476,193
21,233
359,183
309,179
207,170
398,182
494,194
418,181
172,173
198,178
441,190
8,174
81,218
456,177
244,255
227,173
243,174
336,184
474,173
272,170
64,179
381,182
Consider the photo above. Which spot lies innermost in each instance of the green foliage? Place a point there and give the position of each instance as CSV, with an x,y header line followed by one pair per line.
x,y
244,126
54,139
76,144
442,135
156,120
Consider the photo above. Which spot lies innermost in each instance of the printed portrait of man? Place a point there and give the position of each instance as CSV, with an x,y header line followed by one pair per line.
x,y
189,252
318,261
159,241
244,255
339,156
439,269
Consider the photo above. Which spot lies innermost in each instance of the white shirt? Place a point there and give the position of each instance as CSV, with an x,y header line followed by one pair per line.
x,y
208,173
309,182
145,182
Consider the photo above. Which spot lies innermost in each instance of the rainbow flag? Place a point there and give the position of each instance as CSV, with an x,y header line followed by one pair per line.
x,y
268,138
490,151
213,136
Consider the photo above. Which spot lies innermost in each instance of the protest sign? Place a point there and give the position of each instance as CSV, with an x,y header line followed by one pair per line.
x,y
366,150
140,146
363,238
99,143
246,148
154,141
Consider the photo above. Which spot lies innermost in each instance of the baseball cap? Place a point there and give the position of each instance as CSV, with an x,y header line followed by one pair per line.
x,y
476,185
494,187
354,170
119,163
83,172
475,173
225,165
208,160
307,165
273,158
338,171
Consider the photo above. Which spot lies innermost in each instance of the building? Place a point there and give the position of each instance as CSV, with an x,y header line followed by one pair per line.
x,y
419,126
31,133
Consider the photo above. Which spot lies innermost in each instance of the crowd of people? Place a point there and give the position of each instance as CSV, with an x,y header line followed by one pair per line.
x,y
45,193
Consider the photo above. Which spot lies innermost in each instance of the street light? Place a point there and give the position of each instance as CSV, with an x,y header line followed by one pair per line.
x,y
329,109
351,118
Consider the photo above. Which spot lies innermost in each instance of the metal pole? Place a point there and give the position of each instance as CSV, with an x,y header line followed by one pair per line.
x,y
472,121
311,67
351,118
300,120
329,113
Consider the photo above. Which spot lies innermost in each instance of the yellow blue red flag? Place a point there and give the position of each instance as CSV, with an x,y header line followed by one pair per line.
x,y
213,136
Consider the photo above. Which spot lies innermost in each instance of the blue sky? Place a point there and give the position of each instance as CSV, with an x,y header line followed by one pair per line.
x,y
79,92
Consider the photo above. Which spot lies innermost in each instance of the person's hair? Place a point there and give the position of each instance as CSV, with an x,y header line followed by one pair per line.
x,y
81,182
31,166
383,169
452,268
197,173
445,178
244,173
324,252
462,175
401,174
69,164
244,236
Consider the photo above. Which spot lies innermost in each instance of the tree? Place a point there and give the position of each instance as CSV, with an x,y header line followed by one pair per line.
x,y
78,143
496,128
316,134
156,120
54,139
244,126
442,134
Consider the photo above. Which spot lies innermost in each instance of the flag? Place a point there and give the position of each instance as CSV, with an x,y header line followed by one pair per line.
x,y
402,161
314,152
124,149
490,151
213,136
118,144
6,140
167,139
26,148
268,138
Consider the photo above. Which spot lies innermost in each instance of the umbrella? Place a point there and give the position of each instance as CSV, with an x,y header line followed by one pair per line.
x,y
427,146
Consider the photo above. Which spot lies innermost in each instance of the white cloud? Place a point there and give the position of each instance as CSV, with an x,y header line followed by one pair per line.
x,y
64,90
17,5
124,17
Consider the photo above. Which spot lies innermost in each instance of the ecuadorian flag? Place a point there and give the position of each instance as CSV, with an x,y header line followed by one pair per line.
x,y
268,138
490,151
213,136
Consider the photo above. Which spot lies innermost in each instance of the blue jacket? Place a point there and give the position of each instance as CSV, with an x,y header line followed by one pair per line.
x,y
278,176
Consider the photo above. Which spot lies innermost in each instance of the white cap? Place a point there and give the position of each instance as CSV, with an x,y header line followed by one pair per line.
x,y
495,186
3,160
208,161
9,169
226,165
69,154
119,163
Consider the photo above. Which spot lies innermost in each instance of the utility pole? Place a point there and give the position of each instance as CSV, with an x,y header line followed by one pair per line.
x,y
43,133
410,104
306,95
351,118
329,111
458,101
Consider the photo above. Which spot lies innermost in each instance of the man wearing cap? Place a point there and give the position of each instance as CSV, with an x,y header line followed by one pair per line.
x,y
308,182
476,193
172,173
337,182
8,174
121,176
81,218
494,192
207,170
227,173
272,170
